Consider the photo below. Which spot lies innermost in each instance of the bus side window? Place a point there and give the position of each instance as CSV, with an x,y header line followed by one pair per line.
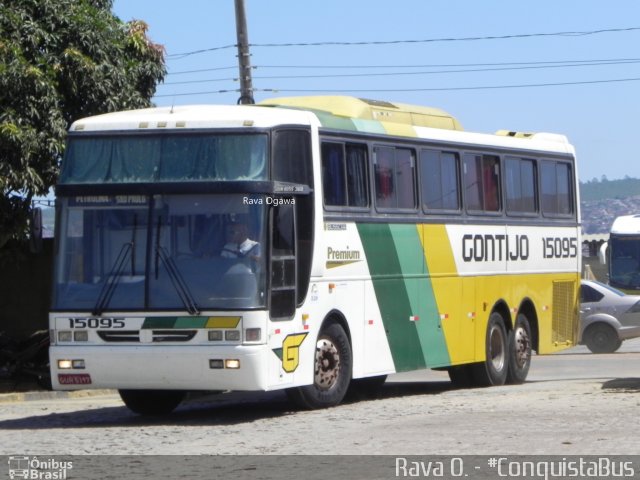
x,y
556,188
520,176
394,170
482,182
333,174
344,174
439,180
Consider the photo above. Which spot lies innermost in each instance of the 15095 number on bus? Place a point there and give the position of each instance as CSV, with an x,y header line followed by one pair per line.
x,y
559,247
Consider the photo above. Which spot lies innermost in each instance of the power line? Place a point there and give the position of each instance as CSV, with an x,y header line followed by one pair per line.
x,y
235,90
487,87
441,65
452,65
202,70
399,42
440,89
385,74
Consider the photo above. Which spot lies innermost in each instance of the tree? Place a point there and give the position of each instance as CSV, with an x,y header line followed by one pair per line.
x,y
61,60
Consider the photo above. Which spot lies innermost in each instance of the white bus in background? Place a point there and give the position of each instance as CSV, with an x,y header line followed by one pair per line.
x,y
622,253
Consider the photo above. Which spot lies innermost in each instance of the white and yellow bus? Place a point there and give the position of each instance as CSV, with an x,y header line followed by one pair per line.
x,y
367,238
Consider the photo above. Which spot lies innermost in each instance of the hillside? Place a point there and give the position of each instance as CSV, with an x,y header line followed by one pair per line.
x,y
609,189
602,201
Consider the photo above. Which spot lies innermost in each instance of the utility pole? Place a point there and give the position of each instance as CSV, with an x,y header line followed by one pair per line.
x,y
244,63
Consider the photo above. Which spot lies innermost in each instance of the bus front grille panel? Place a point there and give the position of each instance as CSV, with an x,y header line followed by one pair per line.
x,y
173,335
563,312
119,335
155,336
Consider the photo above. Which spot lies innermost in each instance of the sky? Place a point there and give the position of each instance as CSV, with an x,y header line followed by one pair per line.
x,y
475,59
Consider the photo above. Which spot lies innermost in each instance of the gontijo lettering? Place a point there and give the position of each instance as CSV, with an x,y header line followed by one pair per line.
x,y
494,248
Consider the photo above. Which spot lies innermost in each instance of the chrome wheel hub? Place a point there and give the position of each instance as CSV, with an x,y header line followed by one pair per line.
x,y
327,364
497,354
522,347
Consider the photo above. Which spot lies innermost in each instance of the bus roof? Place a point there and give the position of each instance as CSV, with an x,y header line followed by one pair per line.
x,y
193,117
365,109
330,112
626,225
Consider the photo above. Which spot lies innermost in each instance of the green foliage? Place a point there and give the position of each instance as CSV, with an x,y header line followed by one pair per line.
x,y
607,189
61,60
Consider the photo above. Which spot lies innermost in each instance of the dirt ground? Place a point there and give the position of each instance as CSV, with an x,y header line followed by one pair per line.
x,y
548,417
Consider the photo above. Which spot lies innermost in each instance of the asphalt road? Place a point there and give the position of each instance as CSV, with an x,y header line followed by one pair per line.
x,y
571,364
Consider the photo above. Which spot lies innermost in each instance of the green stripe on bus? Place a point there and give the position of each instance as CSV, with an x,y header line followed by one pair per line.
x,y
175,322
369,126
392,296
191,322
159,322
332,121
421,295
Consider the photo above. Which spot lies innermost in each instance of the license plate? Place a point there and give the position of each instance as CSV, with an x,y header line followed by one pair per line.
x,y
74,378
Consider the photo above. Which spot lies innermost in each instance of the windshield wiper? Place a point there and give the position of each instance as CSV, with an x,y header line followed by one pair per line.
x,y
177,280
112,279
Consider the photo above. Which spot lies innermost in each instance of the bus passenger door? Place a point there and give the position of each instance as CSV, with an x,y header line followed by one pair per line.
x,y
283,340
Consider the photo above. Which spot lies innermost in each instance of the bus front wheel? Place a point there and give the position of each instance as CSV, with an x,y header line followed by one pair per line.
x,y
332,371
493,371
151,402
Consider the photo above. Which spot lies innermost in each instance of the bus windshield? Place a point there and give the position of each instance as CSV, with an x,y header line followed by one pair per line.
x,y
162,252
164,158
625,261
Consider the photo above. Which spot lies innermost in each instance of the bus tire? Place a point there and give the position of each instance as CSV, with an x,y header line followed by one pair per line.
x,y
519,350
151,402
332,371
493,371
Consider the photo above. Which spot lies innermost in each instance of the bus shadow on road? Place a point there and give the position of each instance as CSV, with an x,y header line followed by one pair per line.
x,y
622,384
398,389
211,410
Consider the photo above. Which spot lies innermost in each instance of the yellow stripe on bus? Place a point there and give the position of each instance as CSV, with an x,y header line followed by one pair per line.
x,y
223,322
448,287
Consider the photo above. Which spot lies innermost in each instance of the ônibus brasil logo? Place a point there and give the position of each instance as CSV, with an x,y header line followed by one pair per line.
x,y
21,466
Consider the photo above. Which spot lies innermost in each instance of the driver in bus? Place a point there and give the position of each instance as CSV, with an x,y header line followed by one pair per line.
x,y
239,245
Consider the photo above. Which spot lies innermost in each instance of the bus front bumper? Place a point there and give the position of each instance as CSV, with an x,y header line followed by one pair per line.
x,y
169,368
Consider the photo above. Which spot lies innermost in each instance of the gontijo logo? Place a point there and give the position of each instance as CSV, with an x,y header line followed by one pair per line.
x,y
34,468
291,351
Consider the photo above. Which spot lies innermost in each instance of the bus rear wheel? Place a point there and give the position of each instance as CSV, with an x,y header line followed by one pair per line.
x,y
493,371
519,351
332,371
151,402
